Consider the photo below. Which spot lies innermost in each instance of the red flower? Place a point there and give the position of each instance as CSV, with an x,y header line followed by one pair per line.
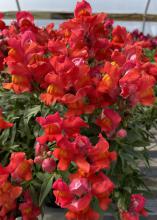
x,y
76,197
54,91
72,125
109,121
138,87
102,187
85,215
137,204
99,156
52,125
8,196
3,174
120,36
83,8
2,23
78,104
62,193
25,21
28,210
19,167
64,153
24,17
4,124
110,79
129,216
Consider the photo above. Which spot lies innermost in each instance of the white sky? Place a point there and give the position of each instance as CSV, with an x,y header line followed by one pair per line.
x,y
125,6
110,6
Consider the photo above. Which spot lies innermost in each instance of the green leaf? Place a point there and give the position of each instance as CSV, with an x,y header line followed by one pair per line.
x,y
13,134
45,188
32,113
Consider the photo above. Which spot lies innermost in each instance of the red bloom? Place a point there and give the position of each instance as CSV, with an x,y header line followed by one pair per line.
x,y
138,87
64,153
19,167
78,104
76,197
28,210
72,125
54,90
110,79
83,8
3,174
52,125
19,84
85,215
99,156
62,193
129,216
8,196
4,124
109,121
23,17
137,204
102,187
2,23
25,21
120,36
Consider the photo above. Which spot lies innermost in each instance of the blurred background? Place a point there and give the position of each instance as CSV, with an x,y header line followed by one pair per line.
x,y
130,11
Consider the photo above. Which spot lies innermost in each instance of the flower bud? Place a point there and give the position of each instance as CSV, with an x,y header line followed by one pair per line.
x,y
49,165
121,133
38,160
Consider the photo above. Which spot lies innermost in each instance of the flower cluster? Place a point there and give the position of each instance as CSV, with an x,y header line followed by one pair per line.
x,y
90,77
136,208
11,177
73,151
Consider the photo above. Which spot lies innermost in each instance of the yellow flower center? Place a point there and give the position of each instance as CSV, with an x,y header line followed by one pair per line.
x,y
18,79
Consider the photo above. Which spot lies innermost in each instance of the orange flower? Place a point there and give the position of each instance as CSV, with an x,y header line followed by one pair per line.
x,y
8,196
19,84
19,167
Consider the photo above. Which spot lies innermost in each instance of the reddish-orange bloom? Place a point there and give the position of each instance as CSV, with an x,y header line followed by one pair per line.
x,y
99,156
85,215
109,121
19,167
28,210
4,124
102,187
8,196
78,104
83,8
138,87
64,153
72,125
3,174
19,84
62,193
76,197
120,37
110,79
125,215
52,125
55,89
